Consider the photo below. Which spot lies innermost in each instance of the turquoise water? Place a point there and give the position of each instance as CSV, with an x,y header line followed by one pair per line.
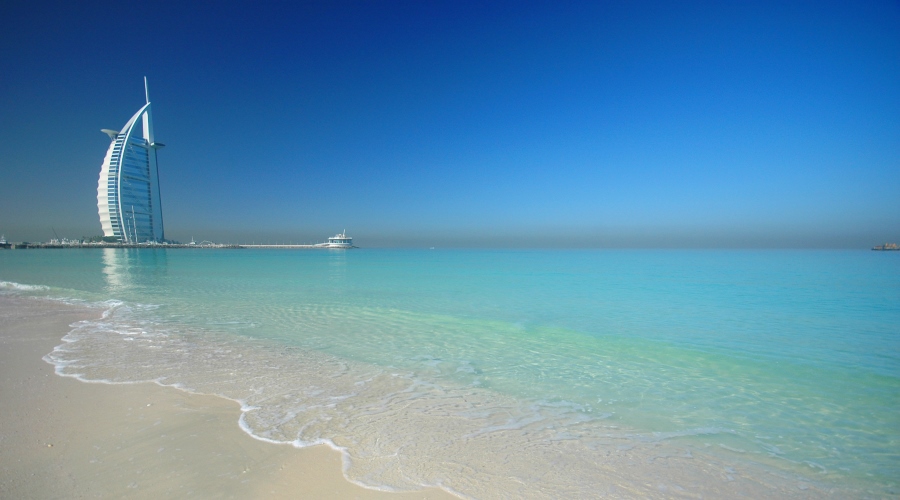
x,y
781,364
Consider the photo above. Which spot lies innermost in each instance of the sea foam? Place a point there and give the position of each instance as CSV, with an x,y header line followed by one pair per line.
x,y
397,431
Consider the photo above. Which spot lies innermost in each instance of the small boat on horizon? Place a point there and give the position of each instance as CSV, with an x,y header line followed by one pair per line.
x,y
340,240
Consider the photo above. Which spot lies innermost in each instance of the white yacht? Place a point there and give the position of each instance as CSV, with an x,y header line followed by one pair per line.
x,y
340,240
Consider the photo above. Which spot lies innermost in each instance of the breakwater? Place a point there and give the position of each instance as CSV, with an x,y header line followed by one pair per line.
x,y
27,245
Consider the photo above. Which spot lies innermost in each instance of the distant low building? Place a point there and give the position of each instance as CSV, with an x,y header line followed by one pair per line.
x,y
128,198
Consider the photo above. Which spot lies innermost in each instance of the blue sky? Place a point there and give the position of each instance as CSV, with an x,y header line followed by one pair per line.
x,y
594,124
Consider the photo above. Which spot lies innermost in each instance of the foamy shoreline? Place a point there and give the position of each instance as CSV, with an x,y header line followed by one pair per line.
x,y
65,438
178,443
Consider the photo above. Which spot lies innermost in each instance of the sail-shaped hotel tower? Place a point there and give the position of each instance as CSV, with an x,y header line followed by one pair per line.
x,y
128,197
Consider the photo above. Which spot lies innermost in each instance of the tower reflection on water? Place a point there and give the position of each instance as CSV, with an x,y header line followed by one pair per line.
x,y
128,269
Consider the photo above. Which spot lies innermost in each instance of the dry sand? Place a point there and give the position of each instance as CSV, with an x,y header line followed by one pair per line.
x,y
62,438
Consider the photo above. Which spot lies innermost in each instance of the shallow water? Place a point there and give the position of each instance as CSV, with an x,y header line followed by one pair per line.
x,y
543,374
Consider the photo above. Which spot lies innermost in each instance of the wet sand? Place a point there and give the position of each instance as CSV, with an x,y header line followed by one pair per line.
x,y
63,438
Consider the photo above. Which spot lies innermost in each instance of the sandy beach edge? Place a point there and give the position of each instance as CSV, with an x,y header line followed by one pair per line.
x,y
62,438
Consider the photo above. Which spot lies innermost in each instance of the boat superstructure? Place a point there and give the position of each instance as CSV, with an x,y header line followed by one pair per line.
x,y
340,240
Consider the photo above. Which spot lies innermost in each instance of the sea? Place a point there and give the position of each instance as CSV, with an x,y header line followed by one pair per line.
x,y
515,373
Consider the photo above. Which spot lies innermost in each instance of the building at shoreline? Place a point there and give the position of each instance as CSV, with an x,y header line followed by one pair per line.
x,y
128,198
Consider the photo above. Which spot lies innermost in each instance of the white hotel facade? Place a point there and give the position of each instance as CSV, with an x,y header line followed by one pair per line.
x,y
128,198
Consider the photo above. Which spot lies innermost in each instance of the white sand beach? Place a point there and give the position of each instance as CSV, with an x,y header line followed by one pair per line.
x,y
62,438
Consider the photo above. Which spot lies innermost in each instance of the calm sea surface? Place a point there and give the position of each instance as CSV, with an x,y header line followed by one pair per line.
x,y
499,373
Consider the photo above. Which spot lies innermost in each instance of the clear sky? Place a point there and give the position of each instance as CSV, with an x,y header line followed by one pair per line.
x,y
430,123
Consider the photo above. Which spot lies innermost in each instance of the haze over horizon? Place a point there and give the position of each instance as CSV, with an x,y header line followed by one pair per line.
x,y
508,124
